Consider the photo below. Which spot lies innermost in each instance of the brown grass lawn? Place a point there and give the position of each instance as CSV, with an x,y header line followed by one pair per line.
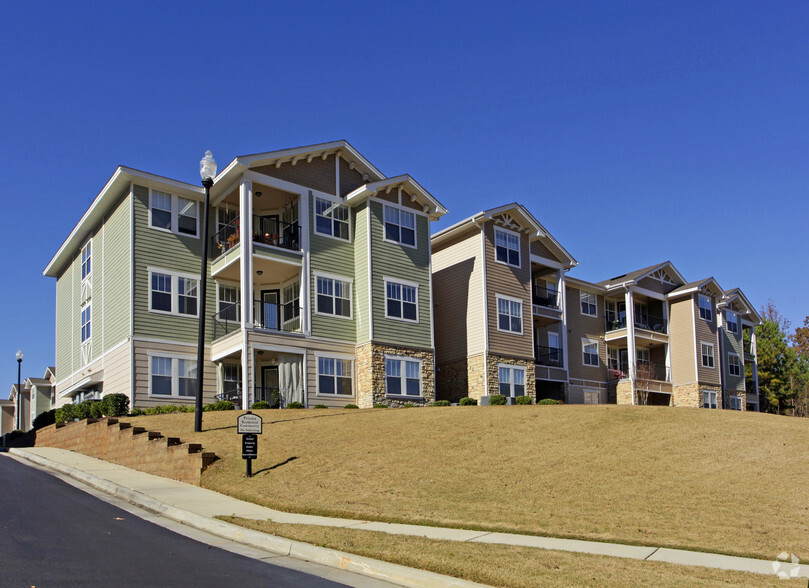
x,y
516,567
719,481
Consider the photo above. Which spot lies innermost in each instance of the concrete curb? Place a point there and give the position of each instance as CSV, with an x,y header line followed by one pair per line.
x,y
380,570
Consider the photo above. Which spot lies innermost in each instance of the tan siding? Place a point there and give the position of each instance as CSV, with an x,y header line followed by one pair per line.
x,y
117,375
706,331
319,174
141,373
580,327
458,298
681,336
655,285
508,281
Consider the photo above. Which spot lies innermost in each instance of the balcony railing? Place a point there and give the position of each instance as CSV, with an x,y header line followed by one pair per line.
x,y
549,356
267,230
547,297
643,371
266,315
268,394
649,322
750,386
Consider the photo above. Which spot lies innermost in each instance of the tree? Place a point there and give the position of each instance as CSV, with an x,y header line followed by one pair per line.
x,y
800,339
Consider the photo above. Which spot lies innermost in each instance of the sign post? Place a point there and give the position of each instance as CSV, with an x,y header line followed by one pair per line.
x,y
249,427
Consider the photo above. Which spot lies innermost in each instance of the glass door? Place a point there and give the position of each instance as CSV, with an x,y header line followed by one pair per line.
x,y
270,309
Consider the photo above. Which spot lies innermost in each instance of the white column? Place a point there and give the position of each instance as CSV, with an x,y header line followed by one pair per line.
x,y
754,351
630,338
665,306
562,287
246,282
303,238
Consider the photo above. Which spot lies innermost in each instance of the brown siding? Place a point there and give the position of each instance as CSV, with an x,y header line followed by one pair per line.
x,y
510,281
319,174
580,327
706,332
655,285
681,336
350,179
537,248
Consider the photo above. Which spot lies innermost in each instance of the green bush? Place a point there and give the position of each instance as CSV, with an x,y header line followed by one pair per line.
x,y
137,412
171,408
380,405
219,405
82,409
351,406
524,400
497,400
95,410
45,419
466,401
408,405
441,403
295,405
65,414
115,405
260,405
548,401
14,435
320,406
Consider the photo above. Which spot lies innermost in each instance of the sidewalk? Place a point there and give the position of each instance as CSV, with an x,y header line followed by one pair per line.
x,y
197,507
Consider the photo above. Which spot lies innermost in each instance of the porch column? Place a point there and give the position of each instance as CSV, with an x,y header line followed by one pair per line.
x,y
562,287
754,351
665,306
246,281
630,338
305,284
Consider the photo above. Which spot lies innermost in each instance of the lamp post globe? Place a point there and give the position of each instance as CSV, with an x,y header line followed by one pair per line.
x,y
207,171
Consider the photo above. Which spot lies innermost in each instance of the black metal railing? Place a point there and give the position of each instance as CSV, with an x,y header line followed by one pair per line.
x,y
643,371
226,320
269,394
225,238
267,230
547,297
277,317
750,386
642,321
548,356
232,393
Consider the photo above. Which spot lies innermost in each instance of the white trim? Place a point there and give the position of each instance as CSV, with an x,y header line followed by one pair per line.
x,y
169,341
739,362
175,374
81,369
408,284
702,355
336,203
545,261
227,284
514,368
350,281
88,243
499,297
430,286
507,232
403,376
175,214
699,305
401,209
131,294
339,357
175,291
485,315
584,342
595,303
370,274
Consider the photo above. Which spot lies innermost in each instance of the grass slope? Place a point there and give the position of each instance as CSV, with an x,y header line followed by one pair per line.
x,y
718,481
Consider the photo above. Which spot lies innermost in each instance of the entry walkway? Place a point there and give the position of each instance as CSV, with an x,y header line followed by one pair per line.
x,y
197,507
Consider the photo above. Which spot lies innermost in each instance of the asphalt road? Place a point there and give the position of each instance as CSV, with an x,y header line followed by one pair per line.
x,y
52,534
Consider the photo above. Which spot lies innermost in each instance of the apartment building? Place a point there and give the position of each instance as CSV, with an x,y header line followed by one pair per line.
x,y
644,337
319,286
22,406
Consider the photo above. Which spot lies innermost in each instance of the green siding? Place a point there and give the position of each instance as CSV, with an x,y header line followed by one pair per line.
x,y
335,257
167,251
391,260
361,306
116,275
733,344
64,330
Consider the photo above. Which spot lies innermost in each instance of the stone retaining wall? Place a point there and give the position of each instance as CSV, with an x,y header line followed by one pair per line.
x,y
130,446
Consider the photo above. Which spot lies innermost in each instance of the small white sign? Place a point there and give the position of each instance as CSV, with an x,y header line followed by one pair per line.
x,y
249,423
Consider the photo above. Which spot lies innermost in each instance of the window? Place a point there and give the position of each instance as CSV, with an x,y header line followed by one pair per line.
x,y
707,355
228,303
733,321
589,352
225,216
592,397
291,308
642,356
86,266
172,376
400,226
85,323
334,376
402,376
333,296
331,218
588,303
509,315
511,380
172,293
708,399
734,402
734,365
705,308
507,247
173,213
401,301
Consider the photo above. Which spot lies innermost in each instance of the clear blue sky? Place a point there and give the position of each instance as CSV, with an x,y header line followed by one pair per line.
x,y
636,132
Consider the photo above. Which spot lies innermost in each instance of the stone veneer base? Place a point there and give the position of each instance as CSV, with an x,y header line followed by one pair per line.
x,y
370,367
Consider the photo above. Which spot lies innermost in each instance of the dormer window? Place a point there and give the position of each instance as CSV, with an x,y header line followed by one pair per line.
x,y
507,247
733,321
705,308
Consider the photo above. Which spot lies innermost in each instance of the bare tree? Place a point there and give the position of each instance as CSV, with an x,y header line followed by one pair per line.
x,y
644,374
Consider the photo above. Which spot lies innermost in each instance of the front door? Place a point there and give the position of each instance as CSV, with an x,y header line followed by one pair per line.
x,y
269,385
270,309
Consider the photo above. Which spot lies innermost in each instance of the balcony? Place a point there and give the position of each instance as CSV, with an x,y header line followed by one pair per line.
x,y
548,356
268,316
545,297
643,371
267,230
645,321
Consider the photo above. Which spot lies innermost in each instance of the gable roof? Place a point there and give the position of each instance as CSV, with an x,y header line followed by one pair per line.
x,y
638,275
429,204
706,284
736,295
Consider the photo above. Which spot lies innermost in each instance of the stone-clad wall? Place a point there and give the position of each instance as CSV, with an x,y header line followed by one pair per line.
x,y
370,366
691,395
492,361
131,446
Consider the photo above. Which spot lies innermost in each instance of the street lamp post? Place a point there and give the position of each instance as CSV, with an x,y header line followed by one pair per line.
x,y
207,170
19,390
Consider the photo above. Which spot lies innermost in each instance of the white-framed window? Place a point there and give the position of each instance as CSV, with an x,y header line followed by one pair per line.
x,y
173,213
642,356
231,377
507,247
227,303
86,315
735,402
331,218
401,300
333,296
172,376
334,376
707,355
589,352
291,310
509,314
709,399
173,293
734,365
86,260
400,226
732,320
705,308
402,376
588,303
510,380
592,397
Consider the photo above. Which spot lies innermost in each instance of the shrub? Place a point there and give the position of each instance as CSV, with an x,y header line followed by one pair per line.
x,y
219,405
95,410
260,405
466,401
548,401
379,406
320,406
137,412
497,400
295,405
45,419
351,406
115,405
408,405
441,403
16,433
82,410
172,408
65,414
524,400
